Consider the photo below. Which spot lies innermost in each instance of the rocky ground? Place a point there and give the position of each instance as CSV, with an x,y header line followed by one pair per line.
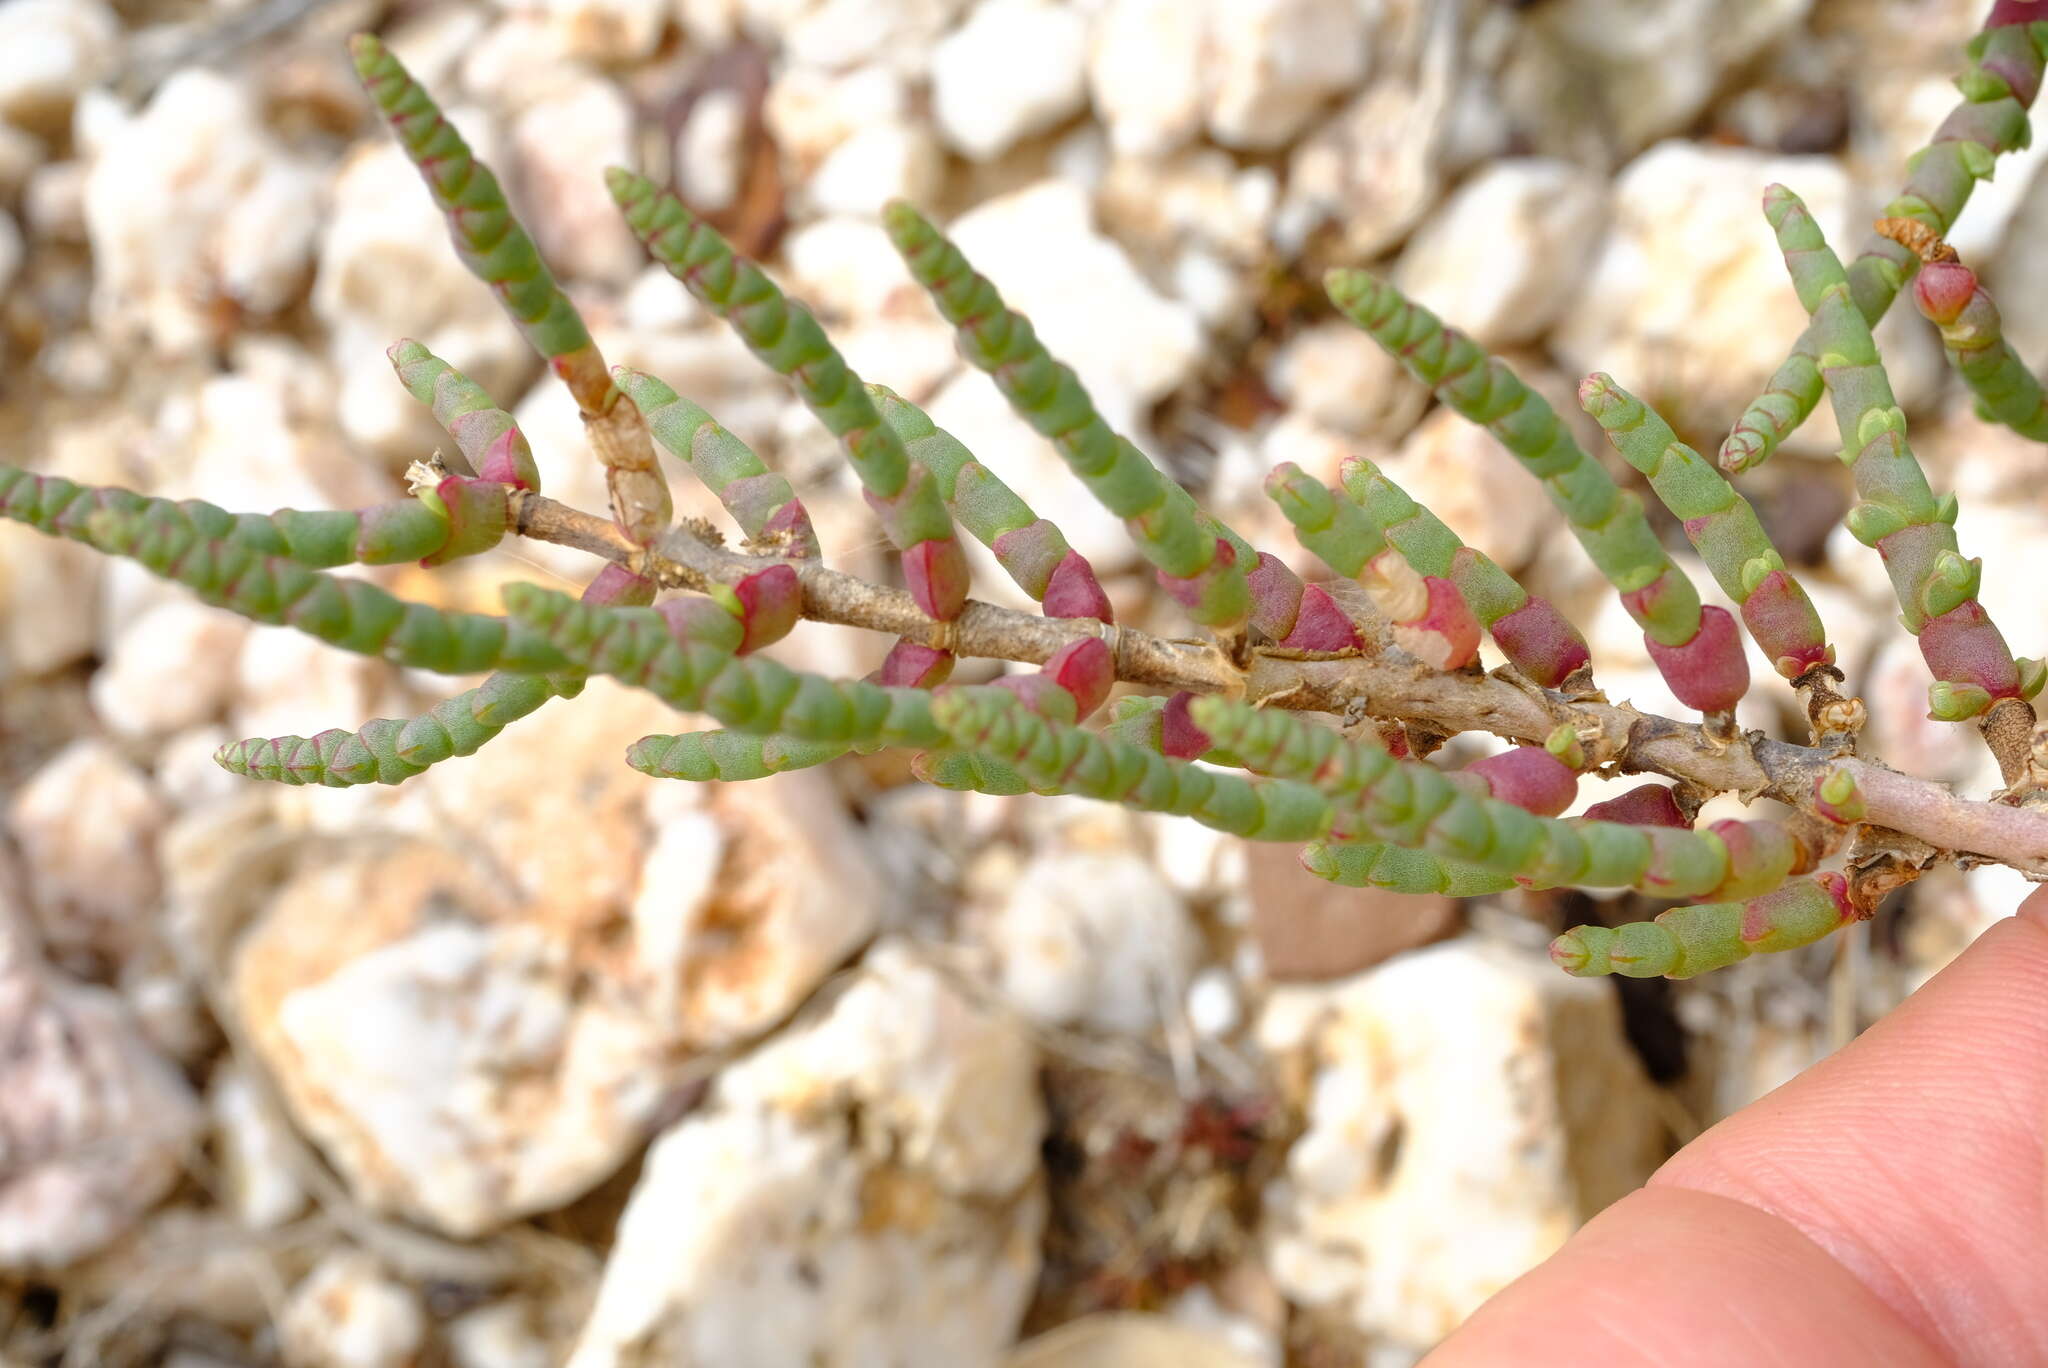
x,y
537,1060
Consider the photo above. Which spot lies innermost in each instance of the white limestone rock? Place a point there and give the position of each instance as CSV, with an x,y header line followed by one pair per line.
x,y
1334,375
256,1150
1468,1106
171,668
1656,63
560,146
498,1335
1089,304
810,111
1371,171
456,1074
96,1125
1273,63
1013,69
1688,300
841,34
1501,257
49,602
608,30
388,270
1145,70
1092,939
484,1028
190,203
878,163
846,269
349,1313
861,1190
1131,1339
86,823
55,49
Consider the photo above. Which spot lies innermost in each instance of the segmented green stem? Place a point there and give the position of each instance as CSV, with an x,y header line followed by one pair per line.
x,y
1951,297
1532,634
698,673
1414,806
1206,564
392,750
1031,549
484,433
788,339
1376,865
760,500
727,756
1056,757
1720,524
497,250
1898,514
1607,521
1692,940
1428,616
2003,77
488,237
342,612
969,772
402,530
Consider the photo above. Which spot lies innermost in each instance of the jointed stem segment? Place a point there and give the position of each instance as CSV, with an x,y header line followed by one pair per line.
x,y
1720,524
1531,633
2002,80
788,339
1205,564
498,252
1899,514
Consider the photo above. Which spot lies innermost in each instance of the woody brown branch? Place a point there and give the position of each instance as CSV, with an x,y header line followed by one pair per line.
x,y
1383,681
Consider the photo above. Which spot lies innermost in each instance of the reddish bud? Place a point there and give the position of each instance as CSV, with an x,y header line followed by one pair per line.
x,y
1962,646
771,602
478,516
508,460
1179,737
1084,669
1836,886
935,572
1072,591
1529,777
1760,857
1276,596
790,525
1541,642
616,586
1645,805
1781,618
1190,592
1321,625
1943,289
1710,672
913,665
1446,635
1042,695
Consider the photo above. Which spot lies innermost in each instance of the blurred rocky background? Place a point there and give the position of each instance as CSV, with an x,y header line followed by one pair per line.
x,y
534,1060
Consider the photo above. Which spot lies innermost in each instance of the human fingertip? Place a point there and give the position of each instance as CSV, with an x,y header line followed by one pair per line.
x,y
2035,906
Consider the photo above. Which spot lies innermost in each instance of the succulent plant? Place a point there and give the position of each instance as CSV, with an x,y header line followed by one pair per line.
x,y
1300,714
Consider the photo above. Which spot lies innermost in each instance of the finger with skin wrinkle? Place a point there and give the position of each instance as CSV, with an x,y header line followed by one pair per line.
x,y
1890,1205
